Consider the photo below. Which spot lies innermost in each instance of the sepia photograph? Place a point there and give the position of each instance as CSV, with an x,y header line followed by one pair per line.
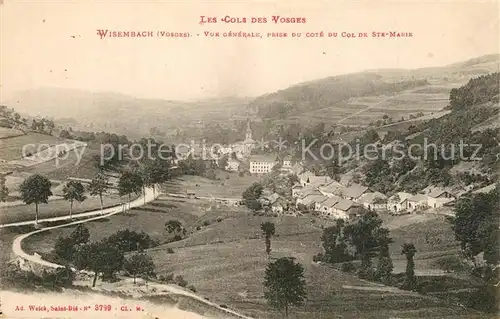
x,y
250,159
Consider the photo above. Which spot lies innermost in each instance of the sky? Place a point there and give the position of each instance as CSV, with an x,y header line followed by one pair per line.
x,y
55,44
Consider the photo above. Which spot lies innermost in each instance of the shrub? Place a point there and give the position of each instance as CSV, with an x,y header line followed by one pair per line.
x,y
219,219
192,288
179,280
168,278
198,227
177,238
348,267
170,250
206,223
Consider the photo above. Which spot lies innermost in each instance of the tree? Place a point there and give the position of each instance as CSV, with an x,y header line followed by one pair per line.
x,y
268,230
80,235
64,248
252,194
334,243
385,266
284,284
174,226
130,182
139,264
476,225
368,237
35,189
154,171
98,186
73,190
409,251
4,191
99,257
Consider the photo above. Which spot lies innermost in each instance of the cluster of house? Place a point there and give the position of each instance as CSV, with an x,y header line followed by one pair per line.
x,y
337,200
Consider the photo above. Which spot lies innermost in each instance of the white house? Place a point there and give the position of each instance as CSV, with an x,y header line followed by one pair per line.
x,y
304,177
438,197
398,203
232,165
331,189
296,190
417,202
346,209
374,201
311,200
262,164
286,164
327,206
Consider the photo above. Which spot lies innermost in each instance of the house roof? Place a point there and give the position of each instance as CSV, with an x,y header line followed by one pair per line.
x,y
435,193
331,201
485,189
297,168
418,198
263,158
309,190
354,191
345,205
332,187
309,199
273,198
369,198
319,180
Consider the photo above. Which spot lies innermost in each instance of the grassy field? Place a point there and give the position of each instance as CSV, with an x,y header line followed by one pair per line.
x,y
6,132
72,166
150,218
12,148
229,185
225,260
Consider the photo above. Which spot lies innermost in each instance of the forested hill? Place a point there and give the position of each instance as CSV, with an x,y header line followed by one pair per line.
x,y
326,93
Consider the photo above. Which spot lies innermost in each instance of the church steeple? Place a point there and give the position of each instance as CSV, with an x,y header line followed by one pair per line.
x,y
248,135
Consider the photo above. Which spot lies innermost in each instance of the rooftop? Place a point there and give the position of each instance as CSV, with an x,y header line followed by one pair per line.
x,y
354,191
331,201
263,158
345,204
313,198
332,187
485,189
369,198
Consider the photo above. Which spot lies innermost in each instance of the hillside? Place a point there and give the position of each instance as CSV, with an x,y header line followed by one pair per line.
x,y
360,98
99,111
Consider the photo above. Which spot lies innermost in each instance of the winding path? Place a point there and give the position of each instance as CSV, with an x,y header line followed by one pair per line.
x,y
36,259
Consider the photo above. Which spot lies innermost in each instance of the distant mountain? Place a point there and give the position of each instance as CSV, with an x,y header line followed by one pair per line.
x,y
118,112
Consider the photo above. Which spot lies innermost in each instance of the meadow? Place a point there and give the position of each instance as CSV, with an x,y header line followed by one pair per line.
x,y
224,257
12,148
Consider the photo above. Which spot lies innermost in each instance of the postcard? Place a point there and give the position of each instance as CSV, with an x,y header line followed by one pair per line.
x,y
249,159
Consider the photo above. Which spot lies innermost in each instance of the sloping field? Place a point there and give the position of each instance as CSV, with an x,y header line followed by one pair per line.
x,y
232,187
6,132
12,148
50,153
78,163
231,270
